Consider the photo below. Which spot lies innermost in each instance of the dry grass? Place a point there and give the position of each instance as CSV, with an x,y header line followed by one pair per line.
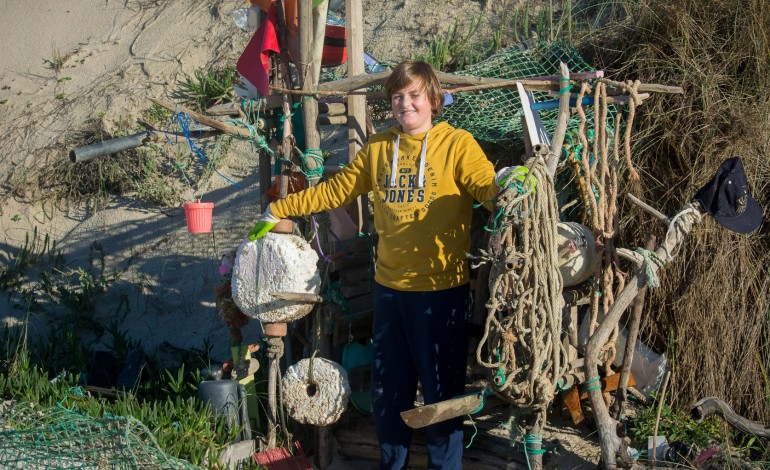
x,y
712,313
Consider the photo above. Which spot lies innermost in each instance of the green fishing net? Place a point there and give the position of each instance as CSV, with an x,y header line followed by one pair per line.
x,y
32,437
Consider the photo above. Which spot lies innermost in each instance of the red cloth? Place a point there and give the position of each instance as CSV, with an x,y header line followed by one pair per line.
x,y
253,64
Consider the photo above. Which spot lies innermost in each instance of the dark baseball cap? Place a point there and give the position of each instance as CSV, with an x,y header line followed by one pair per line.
x,y
727,198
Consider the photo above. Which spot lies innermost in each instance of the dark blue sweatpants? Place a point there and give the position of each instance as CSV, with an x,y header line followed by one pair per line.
x,y
418,335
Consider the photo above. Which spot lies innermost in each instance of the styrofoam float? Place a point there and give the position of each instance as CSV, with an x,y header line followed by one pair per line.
x,y
274,263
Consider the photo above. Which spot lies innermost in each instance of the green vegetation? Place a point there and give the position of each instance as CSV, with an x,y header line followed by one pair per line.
x,y
675,426
39,282
206,88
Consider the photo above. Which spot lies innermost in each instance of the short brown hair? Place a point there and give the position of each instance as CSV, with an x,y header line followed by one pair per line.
x,y
411,71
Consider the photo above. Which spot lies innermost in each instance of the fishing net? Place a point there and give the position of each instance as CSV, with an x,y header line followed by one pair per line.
x,y
32,437
494,115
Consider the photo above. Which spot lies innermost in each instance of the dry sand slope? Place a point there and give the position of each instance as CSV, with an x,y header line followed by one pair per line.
x,y
112,55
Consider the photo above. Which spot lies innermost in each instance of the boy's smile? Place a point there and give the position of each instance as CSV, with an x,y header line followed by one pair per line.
x,y
412,109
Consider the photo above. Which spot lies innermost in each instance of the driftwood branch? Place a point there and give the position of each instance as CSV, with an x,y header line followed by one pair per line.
x,y
366,80
649,209
202,119
628,353
561,120
714,406
683,223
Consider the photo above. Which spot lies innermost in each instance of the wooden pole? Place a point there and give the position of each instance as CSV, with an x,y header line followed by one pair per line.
x,y
561,120
308,77
356,104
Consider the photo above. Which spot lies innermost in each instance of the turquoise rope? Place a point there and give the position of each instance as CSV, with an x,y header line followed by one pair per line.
x,y
651,257
531,439
475,431
312,174
589,382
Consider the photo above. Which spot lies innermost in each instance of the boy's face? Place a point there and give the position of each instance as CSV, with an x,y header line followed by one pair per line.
x,y
412,109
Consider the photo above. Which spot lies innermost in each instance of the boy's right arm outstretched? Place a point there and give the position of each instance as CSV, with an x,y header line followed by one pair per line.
x,y
354,180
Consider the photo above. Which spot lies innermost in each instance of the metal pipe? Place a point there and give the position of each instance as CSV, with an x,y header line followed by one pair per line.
x,y
107,147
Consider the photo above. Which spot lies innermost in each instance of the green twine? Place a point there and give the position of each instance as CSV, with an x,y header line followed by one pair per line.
x,y
475,431
529,440
567,88
651,257
258,140
592,381
484,394
312,174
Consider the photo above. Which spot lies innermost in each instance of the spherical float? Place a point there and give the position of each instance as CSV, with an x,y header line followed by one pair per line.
x,y
274,263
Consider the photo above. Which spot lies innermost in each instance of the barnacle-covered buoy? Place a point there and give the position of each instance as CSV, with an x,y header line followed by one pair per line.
x,y
318,397
274,263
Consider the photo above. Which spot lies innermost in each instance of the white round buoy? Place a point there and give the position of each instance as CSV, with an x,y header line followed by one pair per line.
x,y
577,252
319,401
274,263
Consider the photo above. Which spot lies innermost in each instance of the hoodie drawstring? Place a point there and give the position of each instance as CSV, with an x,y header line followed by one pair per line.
x,y
394,164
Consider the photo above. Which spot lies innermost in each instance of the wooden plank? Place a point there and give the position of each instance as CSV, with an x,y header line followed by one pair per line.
x,y
535,129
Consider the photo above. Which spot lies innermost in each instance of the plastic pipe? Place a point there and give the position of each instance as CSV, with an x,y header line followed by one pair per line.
x,y
100,149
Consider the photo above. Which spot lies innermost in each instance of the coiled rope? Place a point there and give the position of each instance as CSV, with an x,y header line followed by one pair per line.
x,y
522,331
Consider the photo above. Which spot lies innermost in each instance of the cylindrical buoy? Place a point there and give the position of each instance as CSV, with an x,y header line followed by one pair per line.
x,y
222,397
577,252
317,396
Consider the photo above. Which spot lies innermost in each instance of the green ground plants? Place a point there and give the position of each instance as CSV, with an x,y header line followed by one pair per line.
x,y
51,372
209,87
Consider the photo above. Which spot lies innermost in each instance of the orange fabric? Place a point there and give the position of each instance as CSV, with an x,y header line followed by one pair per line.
x,y
290,11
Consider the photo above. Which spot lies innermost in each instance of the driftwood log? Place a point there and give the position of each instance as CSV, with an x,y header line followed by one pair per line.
x,y
714,406
202,119
681,225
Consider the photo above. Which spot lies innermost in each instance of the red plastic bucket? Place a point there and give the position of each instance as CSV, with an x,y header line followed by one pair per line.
x,y
198,216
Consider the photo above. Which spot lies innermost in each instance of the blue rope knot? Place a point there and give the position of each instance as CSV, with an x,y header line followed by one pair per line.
x,y
651,257
184,120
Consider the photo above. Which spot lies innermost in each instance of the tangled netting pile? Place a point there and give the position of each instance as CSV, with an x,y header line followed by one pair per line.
x,y
494,115
32,437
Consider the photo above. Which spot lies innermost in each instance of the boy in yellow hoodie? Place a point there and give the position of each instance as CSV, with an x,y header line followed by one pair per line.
x,y
424,179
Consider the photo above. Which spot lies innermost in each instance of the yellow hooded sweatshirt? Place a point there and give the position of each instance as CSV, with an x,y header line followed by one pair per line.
x,y
423,229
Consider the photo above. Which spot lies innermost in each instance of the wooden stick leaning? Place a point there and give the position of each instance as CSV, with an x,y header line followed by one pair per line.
x,y
681,225
202,119
628,354
662,399
561,121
